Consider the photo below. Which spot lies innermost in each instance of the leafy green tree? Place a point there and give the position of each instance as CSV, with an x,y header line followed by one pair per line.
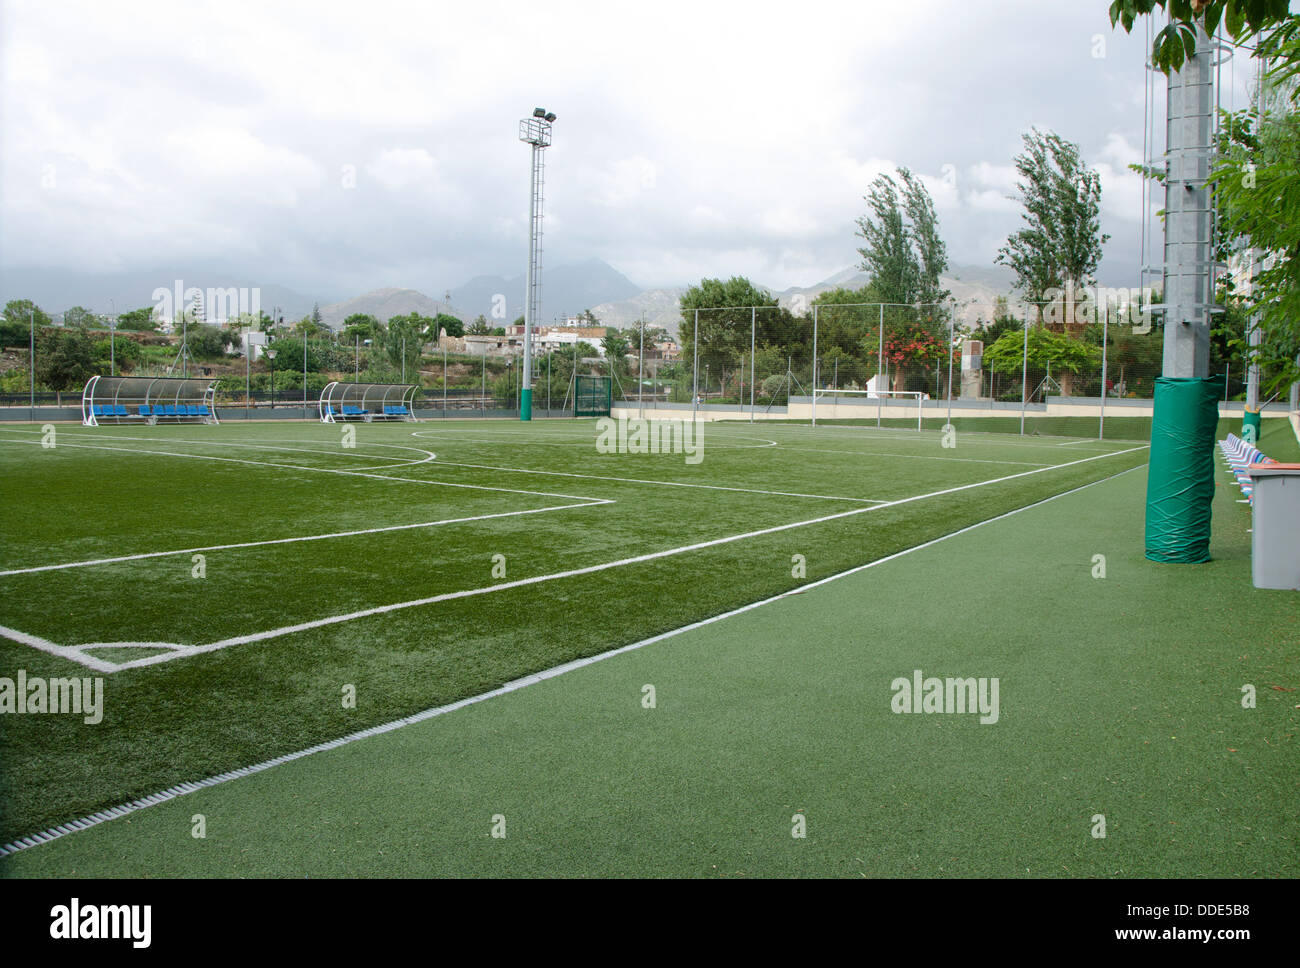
x,y
141,320
904,252
1061,243
1059,351
1175,42
16,326
360,325
724,318
65,359
208,342
81,318
453,325
1257,188
406,335
477,328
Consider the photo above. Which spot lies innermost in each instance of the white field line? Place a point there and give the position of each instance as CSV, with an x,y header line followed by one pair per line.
x,y
319,470
637,480
578,441
876,453
181,789
310,537
571,573
336,452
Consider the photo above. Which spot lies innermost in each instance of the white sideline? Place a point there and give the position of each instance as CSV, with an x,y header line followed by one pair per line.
x,y
187,650
181,789
318,470
636,480
310,537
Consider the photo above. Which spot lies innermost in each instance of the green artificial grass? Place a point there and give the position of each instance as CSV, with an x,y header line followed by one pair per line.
x,y
130,490
1119,696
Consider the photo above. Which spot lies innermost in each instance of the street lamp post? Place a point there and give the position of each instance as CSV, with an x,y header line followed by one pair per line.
x,y
535,131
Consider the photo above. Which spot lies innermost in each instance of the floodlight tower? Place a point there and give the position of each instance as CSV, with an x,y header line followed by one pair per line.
x,y
535,131
1180,481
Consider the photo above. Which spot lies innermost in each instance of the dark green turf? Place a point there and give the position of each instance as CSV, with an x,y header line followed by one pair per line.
x,y
1119,696
198,716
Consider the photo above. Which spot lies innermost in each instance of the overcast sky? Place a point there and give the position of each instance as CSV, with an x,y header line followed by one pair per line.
x,y
340,147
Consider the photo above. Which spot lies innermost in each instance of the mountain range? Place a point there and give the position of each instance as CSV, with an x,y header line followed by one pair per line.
x,y
567,290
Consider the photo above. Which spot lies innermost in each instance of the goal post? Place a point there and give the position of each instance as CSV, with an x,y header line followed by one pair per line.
x,y
863,404
593,396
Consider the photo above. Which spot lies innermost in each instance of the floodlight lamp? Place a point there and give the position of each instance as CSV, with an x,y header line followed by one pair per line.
x,y
550,117
539,112
270,354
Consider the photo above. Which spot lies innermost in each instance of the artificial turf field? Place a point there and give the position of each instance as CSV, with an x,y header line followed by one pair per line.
x,y
782,709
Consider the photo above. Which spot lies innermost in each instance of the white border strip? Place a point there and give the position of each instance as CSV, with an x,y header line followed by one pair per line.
x,y
181,789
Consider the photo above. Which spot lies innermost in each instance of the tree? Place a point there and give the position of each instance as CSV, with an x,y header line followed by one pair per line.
x,y
904,252
65,359
360,325
405,339
1063,353
1175,42
316,316
141,319
310,326
80,317
443,321
477,328
1061,243
724,318
17,325
208,342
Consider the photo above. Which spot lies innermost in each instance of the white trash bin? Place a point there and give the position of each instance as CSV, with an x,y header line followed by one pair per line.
x,y
1275,535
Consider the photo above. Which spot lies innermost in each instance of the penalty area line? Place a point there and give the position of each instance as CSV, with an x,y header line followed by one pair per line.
x,y
182,789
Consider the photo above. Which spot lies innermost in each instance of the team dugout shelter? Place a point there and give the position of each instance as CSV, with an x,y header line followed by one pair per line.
x,y
144,399
367,402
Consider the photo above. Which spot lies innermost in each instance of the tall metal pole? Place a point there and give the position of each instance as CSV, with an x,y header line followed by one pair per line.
x,y
640,372
1189,222
304,373
695,370
1024,377
31,363
535,131
1101,421
814,369
112,348
356,375
952,336
880,369
753,329
444,381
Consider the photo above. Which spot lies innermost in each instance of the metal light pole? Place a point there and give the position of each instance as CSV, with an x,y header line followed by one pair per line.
x,y
112,350
640,372
535,131
31,361
270,355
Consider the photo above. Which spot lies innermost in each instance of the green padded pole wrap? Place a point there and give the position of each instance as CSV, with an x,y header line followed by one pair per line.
x,y
1180,482
1250,426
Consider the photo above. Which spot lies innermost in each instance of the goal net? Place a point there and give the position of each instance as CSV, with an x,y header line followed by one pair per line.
x,y
833,404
